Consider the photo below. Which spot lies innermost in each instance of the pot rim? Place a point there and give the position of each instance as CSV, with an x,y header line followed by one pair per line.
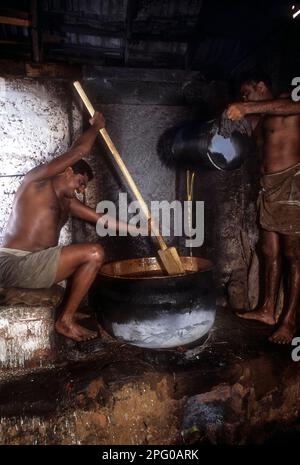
x,y
117,269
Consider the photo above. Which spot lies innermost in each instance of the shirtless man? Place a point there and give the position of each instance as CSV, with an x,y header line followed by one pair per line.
x,y
30,256
276,128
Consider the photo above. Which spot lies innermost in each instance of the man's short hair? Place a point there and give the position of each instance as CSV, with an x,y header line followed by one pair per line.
x,y
255,77
82,167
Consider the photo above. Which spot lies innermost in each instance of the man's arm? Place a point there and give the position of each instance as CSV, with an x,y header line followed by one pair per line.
x,y
83,212
276,107
79,149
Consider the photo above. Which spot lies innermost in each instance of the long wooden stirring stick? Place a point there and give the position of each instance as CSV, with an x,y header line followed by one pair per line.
x,y
168,255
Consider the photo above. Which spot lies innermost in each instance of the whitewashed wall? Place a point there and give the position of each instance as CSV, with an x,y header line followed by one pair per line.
x,y
38,121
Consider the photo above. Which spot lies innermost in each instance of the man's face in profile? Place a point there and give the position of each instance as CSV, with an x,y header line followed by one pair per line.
x,y
249,92
77,184
254,91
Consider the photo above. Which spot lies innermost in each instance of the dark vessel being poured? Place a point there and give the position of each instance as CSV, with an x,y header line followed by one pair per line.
x,y
217,144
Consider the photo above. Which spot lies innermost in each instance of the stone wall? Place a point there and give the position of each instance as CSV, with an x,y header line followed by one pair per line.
x,y
38,121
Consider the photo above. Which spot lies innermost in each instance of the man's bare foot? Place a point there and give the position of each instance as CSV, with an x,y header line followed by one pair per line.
x,y
284,334
74,331
265,314
181,349
81,316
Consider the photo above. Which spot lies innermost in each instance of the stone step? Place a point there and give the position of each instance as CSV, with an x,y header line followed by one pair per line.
x,y
27,335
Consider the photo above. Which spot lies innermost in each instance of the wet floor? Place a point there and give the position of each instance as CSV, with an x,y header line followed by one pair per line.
x,y
106,379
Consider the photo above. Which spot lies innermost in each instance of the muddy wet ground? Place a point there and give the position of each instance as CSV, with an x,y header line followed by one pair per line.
x,y
235,388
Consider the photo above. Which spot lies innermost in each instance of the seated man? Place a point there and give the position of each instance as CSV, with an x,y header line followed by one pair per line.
x,y
30,256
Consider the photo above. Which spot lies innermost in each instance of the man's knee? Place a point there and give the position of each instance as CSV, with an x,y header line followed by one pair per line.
x,y
96,254
270,252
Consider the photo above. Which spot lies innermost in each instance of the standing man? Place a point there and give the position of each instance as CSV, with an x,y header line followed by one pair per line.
x,y
30,256
276,128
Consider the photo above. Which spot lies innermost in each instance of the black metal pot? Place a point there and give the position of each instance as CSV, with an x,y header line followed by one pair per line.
x,y
202,145
138,304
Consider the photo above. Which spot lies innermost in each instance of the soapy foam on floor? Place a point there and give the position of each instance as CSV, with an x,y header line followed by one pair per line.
x,y
166,331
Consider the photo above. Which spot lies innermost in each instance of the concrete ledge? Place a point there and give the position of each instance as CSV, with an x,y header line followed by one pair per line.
x,y
27,337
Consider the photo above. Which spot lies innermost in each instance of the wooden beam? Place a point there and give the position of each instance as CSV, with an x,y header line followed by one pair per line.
x,y
21,41
34,31
15,21
131,12
23,68
52,70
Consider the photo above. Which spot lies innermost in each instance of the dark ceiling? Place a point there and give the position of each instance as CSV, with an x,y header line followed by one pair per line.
x,y
218,38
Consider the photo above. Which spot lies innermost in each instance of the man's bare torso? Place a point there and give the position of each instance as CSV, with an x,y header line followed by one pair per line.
x,y
278,140
37,217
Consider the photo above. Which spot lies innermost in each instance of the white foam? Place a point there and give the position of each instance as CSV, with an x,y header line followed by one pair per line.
x,y
166,331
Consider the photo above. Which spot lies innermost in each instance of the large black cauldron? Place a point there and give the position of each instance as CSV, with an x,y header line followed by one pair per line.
x,y
138,304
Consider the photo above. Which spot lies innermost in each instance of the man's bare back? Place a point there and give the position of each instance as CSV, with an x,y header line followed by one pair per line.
x,y
38,215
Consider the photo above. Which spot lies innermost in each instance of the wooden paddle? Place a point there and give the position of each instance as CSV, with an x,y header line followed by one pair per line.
x,y
168,255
